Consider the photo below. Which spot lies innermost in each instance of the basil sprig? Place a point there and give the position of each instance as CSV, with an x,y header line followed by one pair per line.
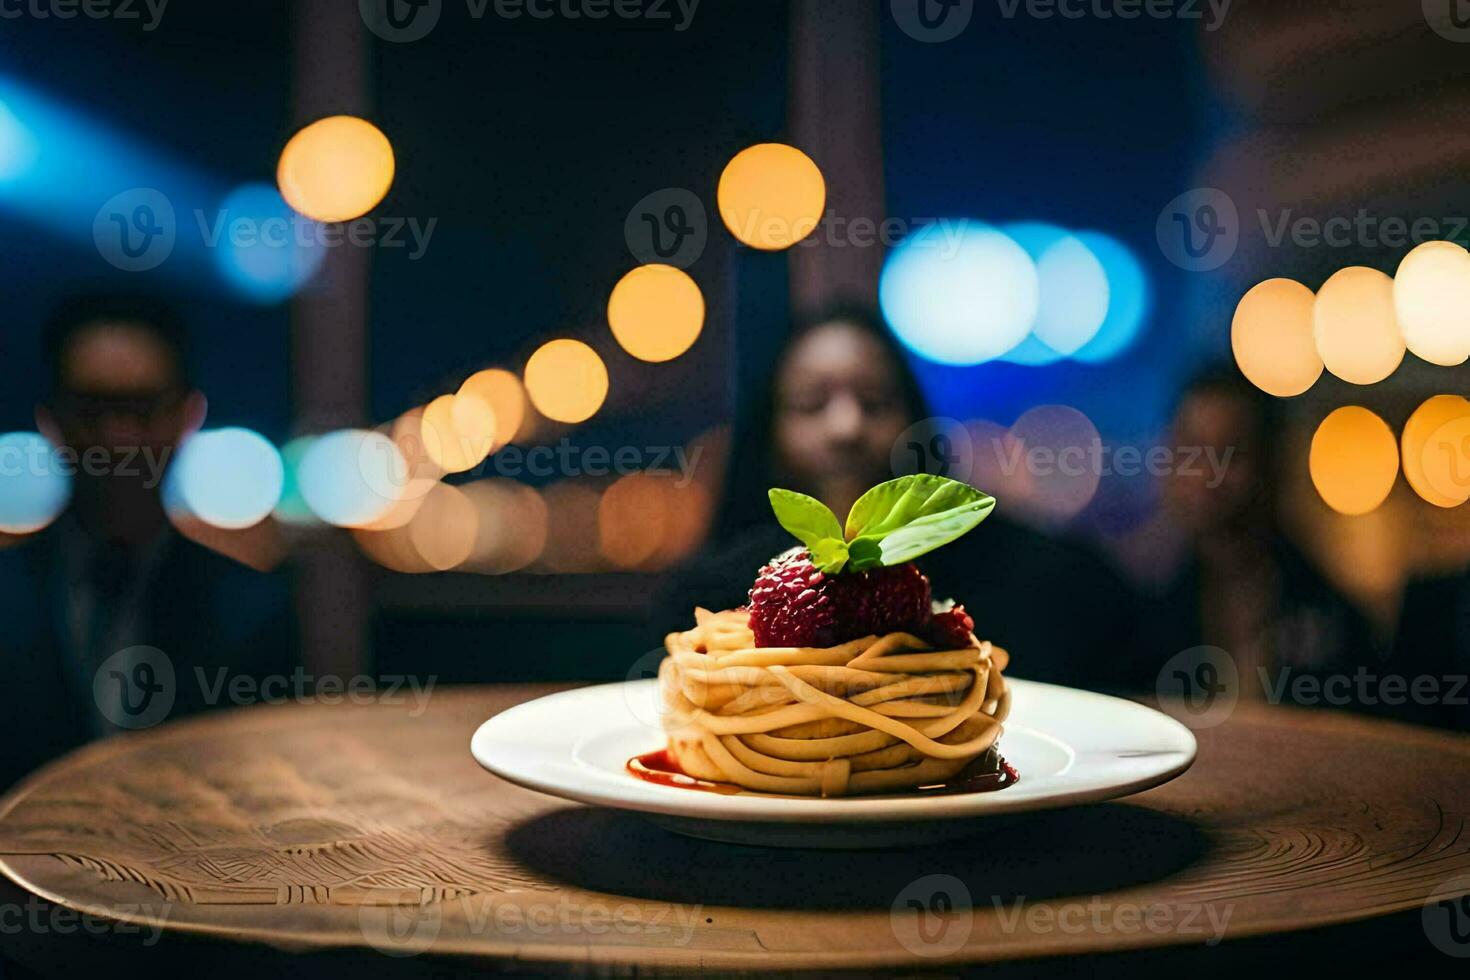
x,y
892,523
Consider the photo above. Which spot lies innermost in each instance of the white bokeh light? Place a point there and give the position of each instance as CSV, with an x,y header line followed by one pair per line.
x,y
959,292
34,487
352,477
1431,295
228,478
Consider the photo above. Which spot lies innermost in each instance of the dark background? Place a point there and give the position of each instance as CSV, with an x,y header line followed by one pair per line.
x,y
528,141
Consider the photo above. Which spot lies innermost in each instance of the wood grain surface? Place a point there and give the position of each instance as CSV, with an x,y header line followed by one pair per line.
x,y
369,829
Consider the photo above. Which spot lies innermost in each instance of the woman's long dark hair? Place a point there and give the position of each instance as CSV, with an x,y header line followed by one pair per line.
x,y
751,467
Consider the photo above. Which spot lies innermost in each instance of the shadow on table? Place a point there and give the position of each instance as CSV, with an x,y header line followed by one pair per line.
x,y
1082,850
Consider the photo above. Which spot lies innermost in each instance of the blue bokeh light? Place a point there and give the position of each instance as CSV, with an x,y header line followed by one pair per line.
x,y
34,485
959,292
1035,237
61,167
1129,299
351,477
292,507
1074,296
228,478
264,250
18,148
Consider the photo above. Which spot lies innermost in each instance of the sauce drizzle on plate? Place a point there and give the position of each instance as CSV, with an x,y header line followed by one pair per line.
x,y
660,768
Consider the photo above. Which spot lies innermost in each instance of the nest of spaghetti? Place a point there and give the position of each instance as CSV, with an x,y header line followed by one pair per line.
x,y
879,714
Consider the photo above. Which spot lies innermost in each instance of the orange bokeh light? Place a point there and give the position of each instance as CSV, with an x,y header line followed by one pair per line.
x,y
392,548
1435,463
502,391
443,531
1271,337
1354,460
656,312
437,538
771,196
651,520
336,169
458,431
1355,326
566,380
633,518
511,529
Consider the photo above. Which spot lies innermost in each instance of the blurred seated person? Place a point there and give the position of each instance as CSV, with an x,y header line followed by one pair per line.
x,y
1240,584
1433,642
840,396
110,573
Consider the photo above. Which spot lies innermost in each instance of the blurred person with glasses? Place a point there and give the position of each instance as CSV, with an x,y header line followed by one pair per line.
x,y
111,575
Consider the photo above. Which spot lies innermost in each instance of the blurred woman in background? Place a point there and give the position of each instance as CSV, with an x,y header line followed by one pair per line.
x,y
839,397
1240,583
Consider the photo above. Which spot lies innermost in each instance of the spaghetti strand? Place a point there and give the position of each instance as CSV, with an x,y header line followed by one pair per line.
x,y
878,714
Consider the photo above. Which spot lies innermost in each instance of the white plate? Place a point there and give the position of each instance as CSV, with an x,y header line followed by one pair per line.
x,y
1069,747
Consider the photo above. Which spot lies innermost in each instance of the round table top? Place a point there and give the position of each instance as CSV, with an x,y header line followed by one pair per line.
x,y
367,829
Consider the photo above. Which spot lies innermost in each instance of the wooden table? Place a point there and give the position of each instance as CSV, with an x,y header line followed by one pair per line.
x,y
365,837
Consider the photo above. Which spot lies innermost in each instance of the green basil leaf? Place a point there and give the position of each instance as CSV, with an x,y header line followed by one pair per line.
x,y
864,553
829,555
889,506
927,533
808,519
912,516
